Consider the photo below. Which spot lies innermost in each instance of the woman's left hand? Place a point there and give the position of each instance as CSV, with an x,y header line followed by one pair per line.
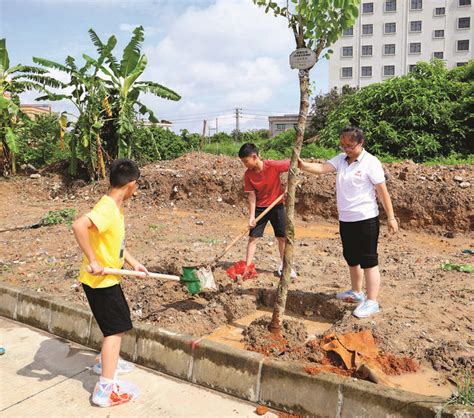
x,y
392,226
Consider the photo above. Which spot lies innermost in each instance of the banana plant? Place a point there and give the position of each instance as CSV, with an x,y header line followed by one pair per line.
x,y
87,94
125,88
13,82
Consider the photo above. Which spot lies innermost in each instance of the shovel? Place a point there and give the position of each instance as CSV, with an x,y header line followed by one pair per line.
x,y
193,284
246,230
205,271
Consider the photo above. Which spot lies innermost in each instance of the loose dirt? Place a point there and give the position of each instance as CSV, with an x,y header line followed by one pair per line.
x,y
188,209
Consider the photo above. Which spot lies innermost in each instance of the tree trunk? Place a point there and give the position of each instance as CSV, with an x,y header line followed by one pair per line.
x,y
282,292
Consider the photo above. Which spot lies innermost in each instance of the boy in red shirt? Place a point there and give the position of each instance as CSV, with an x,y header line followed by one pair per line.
x,y
262,183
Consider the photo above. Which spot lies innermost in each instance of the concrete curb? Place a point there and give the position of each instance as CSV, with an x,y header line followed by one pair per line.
x,y
244,374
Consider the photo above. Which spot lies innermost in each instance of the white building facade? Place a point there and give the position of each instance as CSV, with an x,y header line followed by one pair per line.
x,y
391,36
279,124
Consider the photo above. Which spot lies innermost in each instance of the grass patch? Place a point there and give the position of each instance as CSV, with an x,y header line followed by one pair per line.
x,y
463,268
56,217
464,394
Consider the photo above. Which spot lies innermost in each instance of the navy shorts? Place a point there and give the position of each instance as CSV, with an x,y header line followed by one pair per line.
x,y
276,216
110,309
359,242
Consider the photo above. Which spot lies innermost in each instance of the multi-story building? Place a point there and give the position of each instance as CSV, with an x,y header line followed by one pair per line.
x,y
35,110
279,124
391,36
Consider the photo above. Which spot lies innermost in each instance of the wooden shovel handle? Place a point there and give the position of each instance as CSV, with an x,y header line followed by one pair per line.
x,y
246,230
141,274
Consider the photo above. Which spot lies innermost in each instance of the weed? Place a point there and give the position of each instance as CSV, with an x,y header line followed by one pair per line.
x,y
464,394
55,217
464,268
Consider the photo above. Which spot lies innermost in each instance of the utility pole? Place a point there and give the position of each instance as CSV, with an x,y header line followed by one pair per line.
x,y
237,122
203,136
217,126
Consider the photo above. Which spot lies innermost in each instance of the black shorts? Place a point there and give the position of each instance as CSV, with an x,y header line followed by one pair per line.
x,y
359,242
110,309
276,216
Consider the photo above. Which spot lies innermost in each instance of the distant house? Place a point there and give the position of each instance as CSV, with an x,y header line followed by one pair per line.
x,y
165,124
35,110
279,124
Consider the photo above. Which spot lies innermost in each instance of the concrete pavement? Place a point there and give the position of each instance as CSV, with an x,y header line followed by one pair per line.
x,y
43,375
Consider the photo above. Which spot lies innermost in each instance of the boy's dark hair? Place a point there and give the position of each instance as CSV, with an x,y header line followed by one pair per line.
x,y
355,133
123,171
247,150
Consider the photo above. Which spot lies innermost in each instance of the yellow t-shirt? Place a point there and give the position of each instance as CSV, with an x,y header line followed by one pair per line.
x,y
108,243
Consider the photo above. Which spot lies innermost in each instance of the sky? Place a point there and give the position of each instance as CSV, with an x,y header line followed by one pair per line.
x,y
217,54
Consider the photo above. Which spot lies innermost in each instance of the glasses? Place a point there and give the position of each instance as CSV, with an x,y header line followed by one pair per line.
x,y
343,148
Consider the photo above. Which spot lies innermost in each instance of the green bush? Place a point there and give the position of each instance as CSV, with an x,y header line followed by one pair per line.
x,y
39,141
322,107
152,143
423,115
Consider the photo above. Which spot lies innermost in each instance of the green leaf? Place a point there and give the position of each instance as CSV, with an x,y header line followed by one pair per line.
x,y
4,60
51,64
131,53
158,90
11,140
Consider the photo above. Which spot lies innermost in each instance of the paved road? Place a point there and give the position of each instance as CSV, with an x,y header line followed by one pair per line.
x,y
43,375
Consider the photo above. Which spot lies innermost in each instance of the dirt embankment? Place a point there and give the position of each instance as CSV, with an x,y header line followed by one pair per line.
x,y
428,198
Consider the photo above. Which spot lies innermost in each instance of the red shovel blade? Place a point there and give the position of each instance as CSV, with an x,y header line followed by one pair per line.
x,y
242,271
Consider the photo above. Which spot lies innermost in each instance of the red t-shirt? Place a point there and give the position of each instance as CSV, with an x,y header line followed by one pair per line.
x,y
266,184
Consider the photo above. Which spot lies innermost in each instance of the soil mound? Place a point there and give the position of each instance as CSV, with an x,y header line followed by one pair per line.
x,y
429,198
288,345
351,354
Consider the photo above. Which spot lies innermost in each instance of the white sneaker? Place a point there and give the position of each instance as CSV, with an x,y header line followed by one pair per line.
x,y
109,395
366,309
293,274
123,366
351,296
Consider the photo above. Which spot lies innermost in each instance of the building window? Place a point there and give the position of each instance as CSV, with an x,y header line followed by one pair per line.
x,y
463,45
366,72
281,126
348,31
411,68
464,23
366,50
389,49
390,28
439,11
367,7
347,51
390,5
367,29
346,72
439,33
439,55
415,26
388,70
464,2
415,47
416,4
460,64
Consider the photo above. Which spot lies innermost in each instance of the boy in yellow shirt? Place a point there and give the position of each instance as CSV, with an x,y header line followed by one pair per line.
x,y
101,236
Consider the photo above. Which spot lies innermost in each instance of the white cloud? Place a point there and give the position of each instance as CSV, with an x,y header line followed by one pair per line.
x,y
149,30
230,54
